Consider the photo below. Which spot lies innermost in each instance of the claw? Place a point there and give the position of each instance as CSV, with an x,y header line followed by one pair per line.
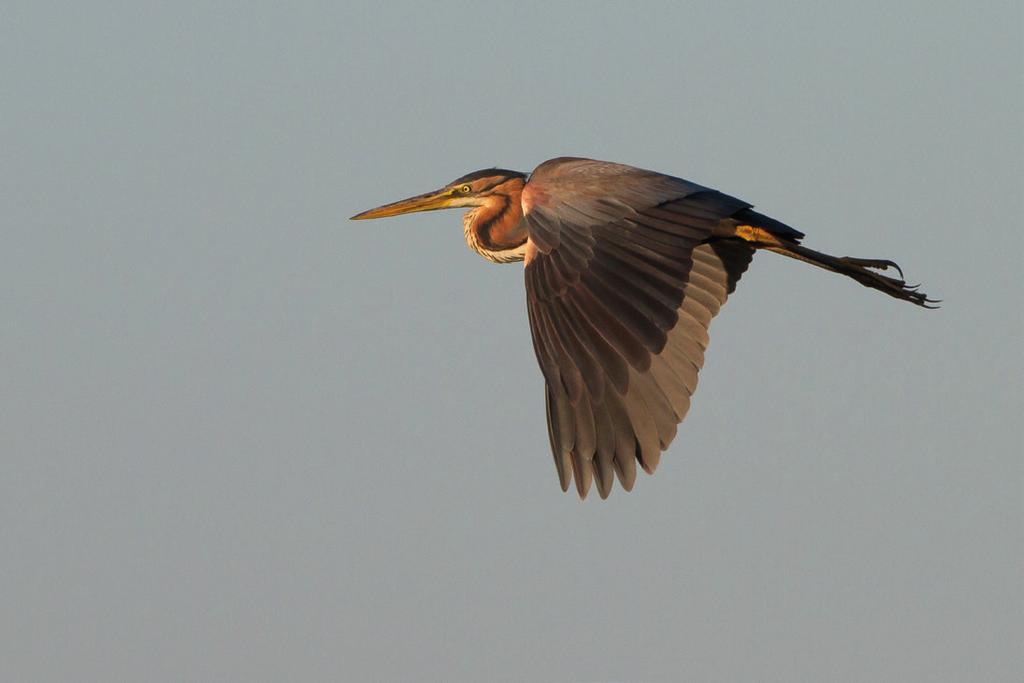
x,y
877,263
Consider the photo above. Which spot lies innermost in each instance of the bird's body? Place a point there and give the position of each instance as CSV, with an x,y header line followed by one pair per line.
x,y
625,269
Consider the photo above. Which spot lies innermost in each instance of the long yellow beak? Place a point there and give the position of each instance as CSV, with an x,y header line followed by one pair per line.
x,y
438,199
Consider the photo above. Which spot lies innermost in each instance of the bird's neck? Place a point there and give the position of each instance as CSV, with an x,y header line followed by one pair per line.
x,y
494,228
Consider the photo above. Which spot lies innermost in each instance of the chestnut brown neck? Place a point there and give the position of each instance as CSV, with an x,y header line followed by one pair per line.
x,y
494,228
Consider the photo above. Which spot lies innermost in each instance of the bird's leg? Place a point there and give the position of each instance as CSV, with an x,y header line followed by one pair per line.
x,y
857,269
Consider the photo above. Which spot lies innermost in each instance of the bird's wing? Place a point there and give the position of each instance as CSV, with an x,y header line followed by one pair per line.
x,y
622,280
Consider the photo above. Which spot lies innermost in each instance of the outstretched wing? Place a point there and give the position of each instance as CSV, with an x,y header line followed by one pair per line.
x,y
623,276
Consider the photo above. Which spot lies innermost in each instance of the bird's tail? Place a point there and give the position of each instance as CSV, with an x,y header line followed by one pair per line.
x,y
862,270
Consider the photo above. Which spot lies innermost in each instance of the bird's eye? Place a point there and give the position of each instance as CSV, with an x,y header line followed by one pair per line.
x,y
465,189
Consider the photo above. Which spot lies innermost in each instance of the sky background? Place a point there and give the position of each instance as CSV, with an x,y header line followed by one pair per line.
x,y
242,438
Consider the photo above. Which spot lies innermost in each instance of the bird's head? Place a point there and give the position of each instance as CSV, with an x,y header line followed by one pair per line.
x,y
480,188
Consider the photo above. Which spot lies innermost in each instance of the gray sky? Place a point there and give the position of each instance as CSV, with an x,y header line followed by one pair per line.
x,y
243,438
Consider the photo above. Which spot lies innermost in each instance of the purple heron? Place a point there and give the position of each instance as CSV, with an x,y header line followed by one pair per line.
x,y
624,270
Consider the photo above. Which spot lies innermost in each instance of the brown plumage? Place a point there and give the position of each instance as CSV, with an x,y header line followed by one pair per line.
x,y
625,268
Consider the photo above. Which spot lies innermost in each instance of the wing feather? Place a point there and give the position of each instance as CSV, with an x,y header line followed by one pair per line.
x,y
624,277
561,432
604,457
625,442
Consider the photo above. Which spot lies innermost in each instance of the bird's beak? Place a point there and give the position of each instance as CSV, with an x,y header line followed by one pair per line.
x,y
438,199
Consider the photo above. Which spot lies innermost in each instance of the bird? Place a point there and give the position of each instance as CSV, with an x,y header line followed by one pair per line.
x,y
624,270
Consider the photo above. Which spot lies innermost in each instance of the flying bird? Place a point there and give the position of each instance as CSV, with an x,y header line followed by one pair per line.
x,y
625,268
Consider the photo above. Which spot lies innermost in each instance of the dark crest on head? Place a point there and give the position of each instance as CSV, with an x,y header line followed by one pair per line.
x,y
499,174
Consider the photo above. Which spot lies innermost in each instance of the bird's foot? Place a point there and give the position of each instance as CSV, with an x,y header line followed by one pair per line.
x,y
878,264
